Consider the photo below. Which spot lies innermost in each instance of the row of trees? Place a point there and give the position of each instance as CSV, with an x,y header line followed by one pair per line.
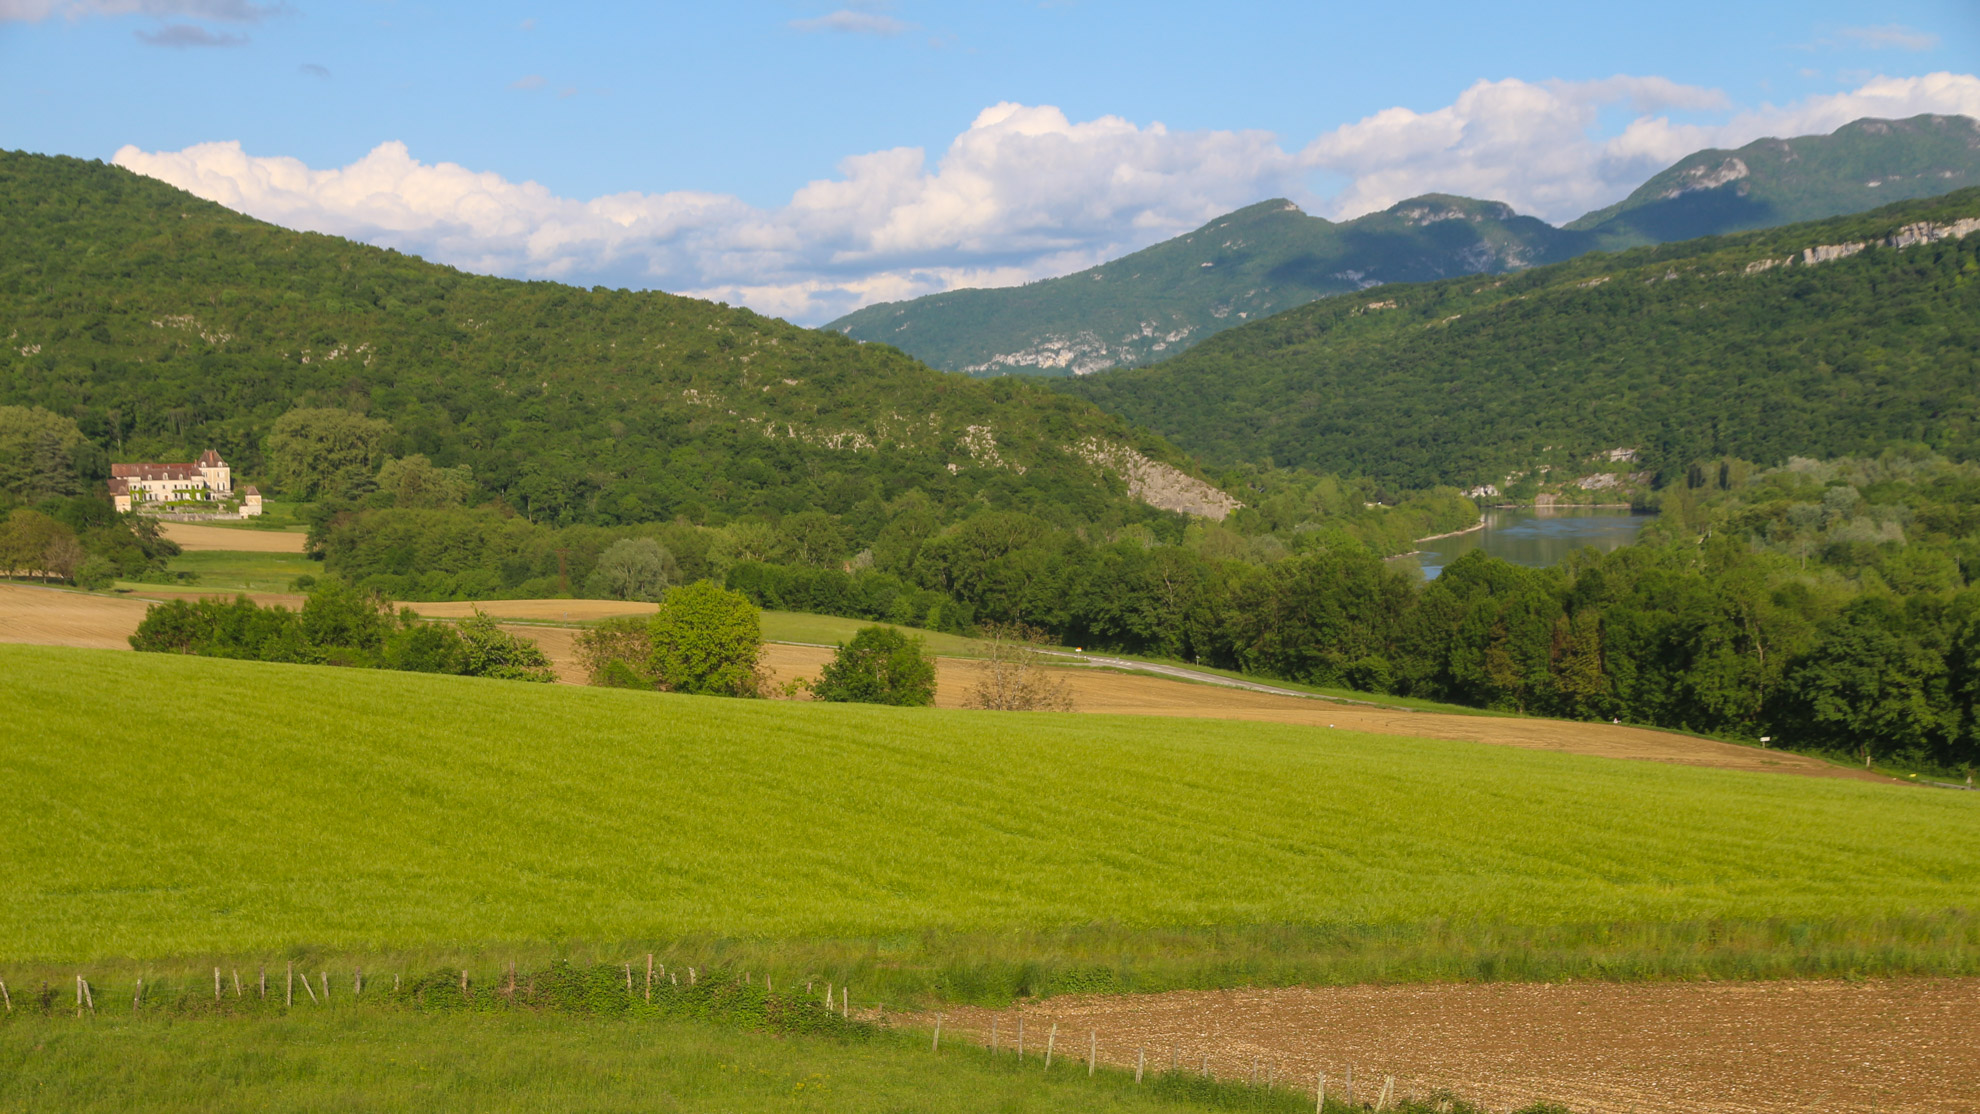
x,y
82,540
1729,617
340,625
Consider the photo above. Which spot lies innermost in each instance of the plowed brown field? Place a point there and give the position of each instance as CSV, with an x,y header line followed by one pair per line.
x,y
1889,1046
52,617
192,535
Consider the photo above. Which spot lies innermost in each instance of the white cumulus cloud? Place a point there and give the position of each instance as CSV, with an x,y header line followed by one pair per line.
x,y
850,22
1023,193
226,11
1535,145
1894,35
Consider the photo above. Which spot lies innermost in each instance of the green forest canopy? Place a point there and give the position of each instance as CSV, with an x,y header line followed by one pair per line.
x,y
162,325
1687,351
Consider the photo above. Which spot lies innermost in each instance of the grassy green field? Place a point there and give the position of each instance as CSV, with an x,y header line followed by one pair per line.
x,y
170,806
830,630
232,571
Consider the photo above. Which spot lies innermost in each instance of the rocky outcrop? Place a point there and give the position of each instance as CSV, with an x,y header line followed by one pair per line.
x,y
1157,484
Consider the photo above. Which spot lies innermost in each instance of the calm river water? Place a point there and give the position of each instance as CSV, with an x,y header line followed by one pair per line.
x,y
1536,537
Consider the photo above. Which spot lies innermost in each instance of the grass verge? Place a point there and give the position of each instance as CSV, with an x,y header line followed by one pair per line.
x,y
556,1039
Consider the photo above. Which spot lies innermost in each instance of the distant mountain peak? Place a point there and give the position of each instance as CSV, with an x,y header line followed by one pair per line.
x,y
1430,208
1775,181
1271,256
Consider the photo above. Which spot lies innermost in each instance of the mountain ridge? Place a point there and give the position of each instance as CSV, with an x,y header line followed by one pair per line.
x,y
1086,329
1067,326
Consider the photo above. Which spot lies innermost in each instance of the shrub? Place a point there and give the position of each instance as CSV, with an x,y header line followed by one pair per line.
x,y
1014,678
616,652
96,574
706,640
489,651
879,666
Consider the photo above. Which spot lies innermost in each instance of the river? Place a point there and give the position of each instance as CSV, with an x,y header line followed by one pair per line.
x,y
1532,536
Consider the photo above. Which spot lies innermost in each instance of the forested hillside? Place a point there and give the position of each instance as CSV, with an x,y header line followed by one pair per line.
x,y
162,325
1242,266
1822,339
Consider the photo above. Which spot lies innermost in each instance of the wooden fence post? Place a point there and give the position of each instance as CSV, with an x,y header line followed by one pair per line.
x,y
136,995
1092,1050
237,982
216,984
1140,1061
936,1044
1051,1039
4,996
325,976
1320,1094
649,977
1388,1092
1349,1085
289,990
264,982
89,997
628,976
993,1034
311,991
1020,1049
464,986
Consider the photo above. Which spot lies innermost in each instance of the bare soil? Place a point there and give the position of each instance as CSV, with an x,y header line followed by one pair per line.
x,y
1891,1046
53,617
194,535
1132,694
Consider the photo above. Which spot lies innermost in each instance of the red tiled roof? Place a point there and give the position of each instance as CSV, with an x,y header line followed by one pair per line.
x,y
154,472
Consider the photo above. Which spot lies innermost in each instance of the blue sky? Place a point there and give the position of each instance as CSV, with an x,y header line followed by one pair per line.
x,y
806,158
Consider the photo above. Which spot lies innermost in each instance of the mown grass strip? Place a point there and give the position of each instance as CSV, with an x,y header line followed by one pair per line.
x,y
171,806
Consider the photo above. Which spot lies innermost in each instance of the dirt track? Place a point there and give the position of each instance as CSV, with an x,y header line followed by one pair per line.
x,y
29,614
194,536
1740,1048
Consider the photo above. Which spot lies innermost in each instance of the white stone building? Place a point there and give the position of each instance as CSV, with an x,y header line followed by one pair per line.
x,y
206,480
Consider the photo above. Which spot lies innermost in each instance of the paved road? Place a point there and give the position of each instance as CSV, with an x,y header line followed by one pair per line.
x,y
1187,674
